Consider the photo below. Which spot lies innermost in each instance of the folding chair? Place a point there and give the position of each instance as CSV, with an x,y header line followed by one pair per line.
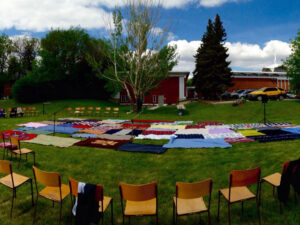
x,y
13,181
90,111
238,190
189,199
69,110
16,149
54,190
274,180
141,200
104,201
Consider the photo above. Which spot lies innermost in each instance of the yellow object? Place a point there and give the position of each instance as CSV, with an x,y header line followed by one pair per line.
x,y
167,126
250,132
140,200
189,198
269,91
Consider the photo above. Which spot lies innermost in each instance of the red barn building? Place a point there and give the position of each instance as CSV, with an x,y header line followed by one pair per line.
x,y
170,91
256,80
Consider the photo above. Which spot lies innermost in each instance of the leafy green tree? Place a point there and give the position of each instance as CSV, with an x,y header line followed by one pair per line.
x,y
212,74
139,56
292,64
63,70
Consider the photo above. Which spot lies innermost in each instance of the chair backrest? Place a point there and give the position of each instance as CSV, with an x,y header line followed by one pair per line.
x,y
240,178
82,108
69,109
5,167
98,108
33,108
74,189
24,108
108,108
8,109
77,108
116,109
50,179
193,190
14,140
90,108
141,192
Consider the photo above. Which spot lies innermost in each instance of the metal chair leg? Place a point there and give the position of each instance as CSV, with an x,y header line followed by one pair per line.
x,y
12,203
258,211
19,161
229,218
35,207
208,215
31,192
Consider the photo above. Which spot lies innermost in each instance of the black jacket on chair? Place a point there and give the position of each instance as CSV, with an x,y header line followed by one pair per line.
x,y
291,176
87,210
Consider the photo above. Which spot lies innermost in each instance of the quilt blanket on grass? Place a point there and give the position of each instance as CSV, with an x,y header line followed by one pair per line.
x,y
130,147
101,143
114,137
278,137
250,132
295,130
197,143
38,132
52,140
21,135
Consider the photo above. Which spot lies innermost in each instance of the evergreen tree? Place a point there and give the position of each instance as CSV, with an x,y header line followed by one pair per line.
x,y
212,74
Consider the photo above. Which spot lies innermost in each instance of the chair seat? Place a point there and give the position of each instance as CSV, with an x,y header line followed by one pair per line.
x,y
190,206
140,207
52,193
18,180
23,151
273,179
237,194
106,202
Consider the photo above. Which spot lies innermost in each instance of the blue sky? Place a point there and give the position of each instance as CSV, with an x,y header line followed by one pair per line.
x,y
258,30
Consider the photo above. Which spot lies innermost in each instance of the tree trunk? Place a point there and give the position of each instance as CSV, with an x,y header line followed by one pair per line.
x,y
138,104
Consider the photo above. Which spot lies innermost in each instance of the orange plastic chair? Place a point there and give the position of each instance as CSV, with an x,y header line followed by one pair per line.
x,y
274,180
140,200
104,201
17,150
54,190
97,111
90,111
189,199
116,111
238,190
69,110
13,181
107,110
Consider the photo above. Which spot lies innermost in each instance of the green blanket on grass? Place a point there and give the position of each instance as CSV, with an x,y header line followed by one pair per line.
x,y
52,140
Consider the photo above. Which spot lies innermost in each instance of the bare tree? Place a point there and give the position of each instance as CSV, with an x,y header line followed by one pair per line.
x,y
139,54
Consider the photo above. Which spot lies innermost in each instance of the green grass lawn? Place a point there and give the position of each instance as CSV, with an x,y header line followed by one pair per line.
x,y
109,167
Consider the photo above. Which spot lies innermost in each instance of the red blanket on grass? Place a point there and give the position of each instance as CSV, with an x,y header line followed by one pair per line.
x,y
21,135
102,143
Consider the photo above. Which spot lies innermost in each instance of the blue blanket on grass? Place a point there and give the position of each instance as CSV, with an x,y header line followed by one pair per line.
x,y
197,143
130,147
59,129
294,130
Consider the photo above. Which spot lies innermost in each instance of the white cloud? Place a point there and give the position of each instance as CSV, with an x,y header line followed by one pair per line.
x,y
43,15
243,55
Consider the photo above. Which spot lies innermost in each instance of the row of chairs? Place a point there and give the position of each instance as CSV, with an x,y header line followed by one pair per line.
x,y
93,111
19,112
142,200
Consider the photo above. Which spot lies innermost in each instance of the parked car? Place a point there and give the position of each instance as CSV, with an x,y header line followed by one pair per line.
x,y
245,93
226,95
235,94
270,92
291,95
